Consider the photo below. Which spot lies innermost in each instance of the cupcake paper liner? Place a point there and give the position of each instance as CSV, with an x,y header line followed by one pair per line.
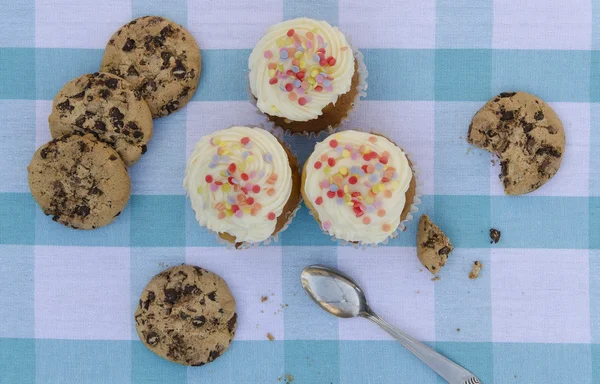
x,y
273,238
362,86
414,208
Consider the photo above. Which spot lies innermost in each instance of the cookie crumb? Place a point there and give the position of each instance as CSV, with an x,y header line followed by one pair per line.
x,y
435,278
495,236
477,265
270,336
289,378
457,329
263,299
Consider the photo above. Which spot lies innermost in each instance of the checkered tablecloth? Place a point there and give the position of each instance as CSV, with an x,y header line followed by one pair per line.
x,y
67,297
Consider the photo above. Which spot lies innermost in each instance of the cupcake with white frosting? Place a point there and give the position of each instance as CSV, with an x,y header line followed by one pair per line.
x,y
304,75
359,186
243,184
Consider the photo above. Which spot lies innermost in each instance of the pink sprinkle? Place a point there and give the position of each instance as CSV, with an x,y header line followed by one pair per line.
x,y
308,99
329,89
268,54
300,91
239,213
309,44
354,156
325,184
319,79
320,39
305,84
292,96
326,225
214,187
349,147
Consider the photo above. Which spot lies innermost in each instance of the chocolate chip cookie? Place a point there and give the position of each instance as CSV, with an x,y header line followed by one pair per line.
x,y
160,58
433,246
186,314
107,107
527,136
79,181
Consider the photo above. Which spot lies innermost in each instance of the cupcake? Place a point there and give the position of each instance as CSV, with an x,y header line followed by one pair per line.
x,y
359,186
243,184
304,75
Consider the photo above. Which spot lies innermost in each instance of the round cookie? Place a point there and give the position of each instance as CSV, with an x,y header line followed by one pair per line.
x,y
186,314
106,106
160,58
80,181
527,136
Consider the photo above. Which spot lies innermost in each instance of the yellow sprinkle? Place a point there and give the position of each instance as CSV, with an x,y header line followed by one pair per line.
x,y
346,189
349,203
369,199
274,108
298,54
311,80
288,40
250,159
280,41
346,153
271,73
226,152
374,189
381,187
241,167
302,64
199,190
246,209
223,174
347,198
280,67
344,171
226,187
229,213
227,205
216,140
327,170
314,73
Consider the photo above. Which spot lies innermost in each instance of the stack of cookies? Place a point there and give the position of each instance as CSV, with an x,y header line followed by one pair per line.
x,y
101,123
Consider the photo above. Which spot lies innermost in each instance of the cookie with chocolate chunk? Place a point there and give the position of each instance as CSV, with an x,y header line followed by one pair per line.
x,y
160,58
526,135
106,106
186,314
79,181
433,246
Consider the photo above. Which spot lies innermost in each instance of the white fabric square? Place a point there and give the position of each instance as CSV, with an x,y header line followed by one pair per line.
x,y
232,24
82,293
410,124
250,275
540,295
43,108
542,24
572,179
389,24
204,117
397,288
79,23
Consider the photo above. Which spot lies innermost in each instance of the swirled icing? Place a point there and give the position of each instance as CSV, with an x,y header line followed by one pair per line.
x,y
356,182
298,67
238,181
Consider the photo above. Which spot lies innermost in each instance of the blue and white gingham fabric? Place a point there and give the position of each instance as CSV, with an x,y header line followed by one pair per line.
x,y
67,297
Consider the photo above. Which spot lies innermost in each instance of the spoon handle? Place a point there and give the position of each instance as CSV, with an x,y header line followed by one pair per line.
x,y
447,369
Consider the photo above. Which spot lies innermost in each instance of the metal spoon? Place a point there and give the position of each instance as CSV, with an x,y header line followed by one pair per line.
x,y
339,295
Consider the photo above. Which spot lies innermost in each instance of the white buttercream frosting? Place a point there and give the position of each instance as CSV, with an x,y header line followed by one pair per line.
x,y
298,67
356,182
238,181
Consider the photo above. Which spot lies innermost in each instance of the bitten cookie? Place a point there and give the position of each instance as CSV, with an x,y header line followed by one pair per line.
x,y
527,136
186,314
104,105
160,58
433,246
79,181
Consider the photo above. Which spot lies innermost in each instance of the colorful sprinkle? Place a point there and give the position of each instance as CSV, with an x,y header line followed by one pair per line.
x,y
366,220
271,216
386,227
268,54
319,200
208,179
302,101
318,165
331,162
268,157
291,32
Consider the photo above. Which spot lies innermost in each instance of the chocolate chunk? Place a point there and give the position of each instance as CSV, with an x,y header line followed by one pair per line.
x,y
129,45
80,121
530,145
133,126
138,134
150,86
232,322
112,83
65,106
165,56
171,296
166,31
212,355
152,338
104,93
82,210
504,168
112,158
144,149
445,251
44,153
507,115
131,71
548,150
151,295
115,114
79,95
179,70
198,321
99,125
507,94
198,364
539,115
82,146
183,315
212,296
190,289
551,130
494,235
